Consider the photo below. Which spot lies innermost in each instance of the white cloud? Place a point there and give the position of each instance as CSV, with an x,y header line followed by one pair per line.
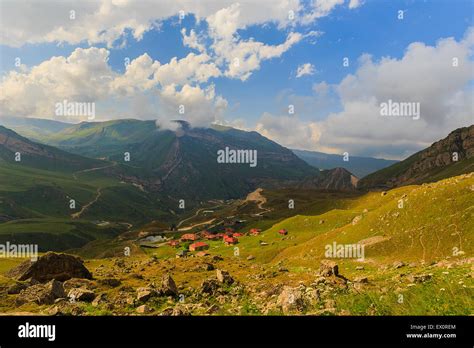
x,y
305,69
355,3
425,74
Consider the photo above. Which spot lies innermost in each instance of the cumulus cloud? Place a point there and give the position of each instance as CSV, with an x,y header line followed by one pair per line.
x,y
109,21
305,69
438,77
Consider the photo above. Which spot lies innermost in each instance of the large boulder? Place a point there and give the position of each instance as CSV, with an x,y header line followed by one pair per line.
x,y
50,266
224,277
81,294
328,268
291,300
168,286
41,293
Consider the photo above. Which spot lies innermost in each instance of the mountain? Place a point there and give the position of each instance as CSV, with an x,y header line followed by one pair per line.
x,y
338,179
183,164
359,166
41,156
36,129
434,163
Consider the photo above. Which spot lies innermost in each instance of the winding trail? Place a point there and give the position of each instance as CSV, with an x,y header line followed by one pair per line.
x,y
85,207
257,197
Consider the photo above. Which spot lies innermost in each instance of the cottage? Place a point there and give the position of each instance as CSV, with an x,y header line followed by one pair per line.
x,y
189,237
198,246
283,232
230,240
255,231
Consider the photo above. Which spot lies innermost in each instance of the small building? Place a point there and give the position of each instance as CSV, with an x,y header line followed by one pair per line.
x,y
198,246
230,240
213,237
237,234
255,231
191,237
283,232
174,243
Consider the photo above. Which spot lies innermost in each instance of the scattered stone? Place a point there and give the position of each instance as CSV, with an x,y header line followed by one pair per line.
x,y
359,268
144,294
213,309
74,283
41,293
209,286
398,264
16,288
291,299
217,258
224,277
328,268
99,300
81,294
168,286
111,282
144,309
363,280
50,266
383,193
321,222
420,278
250,257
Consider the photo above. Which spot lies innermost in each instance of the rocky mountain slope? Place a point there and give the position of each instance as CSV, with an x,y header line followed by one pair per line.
x,y
450,156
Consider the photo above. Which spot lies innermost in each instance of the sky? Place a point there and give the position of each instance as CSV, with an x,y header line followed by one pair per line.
x,y
307,74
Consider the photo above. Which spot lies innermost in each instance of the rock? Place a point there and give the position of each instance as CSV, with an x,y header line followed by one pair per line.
x,y
180,311
356,219
359,268
217,258
290,300
419,278
209,286
321,222
50,266
99,300
383,193
16,288
363,280
250,257
111,282
328,268
224,277
204,267
398,264
81,294
213,309
168,286
74,283
144,309
144,294
41,293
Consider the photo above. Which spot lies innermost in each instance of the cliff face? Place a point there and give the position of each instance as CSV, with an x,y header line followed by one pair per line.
x,y
338,179
450,156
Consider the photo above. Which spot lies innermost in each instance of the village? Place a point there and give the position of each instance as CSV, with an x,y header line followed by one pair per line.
x,y
196,242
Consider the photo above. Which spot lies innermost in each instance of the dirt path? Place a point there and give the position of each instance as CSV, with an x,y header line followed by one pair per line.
x,y
257,197
198,224
84,208
92,169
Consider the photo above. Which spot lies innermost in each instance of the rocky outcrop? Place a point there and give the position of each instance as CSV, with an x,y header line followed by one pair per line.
x,y
338,179
456,149
60,267
41,293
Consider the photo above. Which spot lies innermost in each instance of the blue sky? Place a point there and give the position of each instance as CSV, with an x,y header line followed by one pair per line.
x,y
371,28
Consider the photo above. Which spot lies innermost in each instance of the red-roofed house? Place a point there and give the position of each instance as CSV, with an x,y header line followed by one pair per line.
x,y
237,234
255,231
230,240
189,237
198,246
283,232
